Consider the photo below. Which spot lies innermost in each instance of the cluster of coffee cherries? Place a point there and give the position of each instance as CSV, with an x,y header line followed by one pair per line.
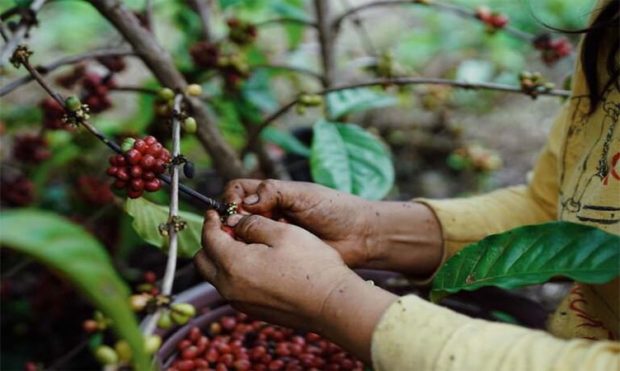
x,y
148,299
533,83
53,114
16,190
240,343
231,64
493,20
240,32
552,49
474,157
93,190
31,148
114,63
120,354
137,169
96,88
164,105
308,100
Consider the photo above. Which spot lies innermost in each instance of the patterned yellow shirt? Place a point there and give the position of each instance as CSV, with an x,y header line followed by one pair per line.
x,y
577,179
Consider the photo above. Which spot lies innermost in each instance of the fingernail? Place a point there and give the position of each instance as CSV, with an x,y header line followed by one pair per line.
x,y
233,220
251,199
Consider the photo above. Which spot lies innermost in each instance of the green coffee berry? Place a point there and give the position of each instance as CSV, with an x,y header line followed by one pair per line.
x,y
73,103
123,350
166,93
127,144
106,355
152,344
189,125
179,318
194,90
184,308
164,322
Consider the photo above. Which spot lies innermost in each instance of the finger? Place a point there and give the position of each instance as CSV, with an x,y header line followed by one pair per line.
x,y
216,242
205,266
271,195
237,190
258,229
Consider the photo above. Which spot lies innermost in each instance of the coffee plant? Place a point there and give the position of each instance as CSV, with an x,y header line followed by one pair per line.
x,y
152,105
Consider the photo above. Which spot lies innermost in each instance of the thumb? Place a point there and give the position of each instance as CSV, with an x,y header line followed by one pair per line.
x,y
258,229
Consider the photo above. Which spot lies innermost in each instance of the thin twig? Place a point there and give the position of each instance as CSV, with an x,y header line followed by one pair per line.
x,y
160,62
326,41
206,201
399,82
203,9
24,263
174,198
275,21
148,14
456,9
10,12
37,76
19,34
56,365
173,214
362,31
45,69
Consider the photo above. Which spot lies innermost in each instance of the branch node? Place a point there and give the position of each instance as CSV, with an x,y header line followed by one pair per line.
x,y
20,55
231,209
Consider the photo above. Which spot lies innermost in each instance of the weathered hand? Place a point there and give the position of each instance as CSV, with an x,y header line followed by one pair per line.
x,y
285,275
275,271
339,219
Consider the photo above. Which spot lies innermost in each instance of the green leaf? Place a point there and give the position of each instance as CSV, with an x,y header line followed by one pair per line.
x,y
348,158
532,255
76,256
285,140
147,217
344,102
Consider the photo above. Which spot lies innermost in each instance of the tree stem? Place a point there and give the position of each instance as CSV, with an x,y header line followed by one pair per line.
x,y
325,41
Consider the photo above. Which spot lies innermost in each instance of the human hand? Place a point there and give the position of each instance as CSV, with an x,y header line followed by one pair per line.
x,y
276,271
339,219
283,274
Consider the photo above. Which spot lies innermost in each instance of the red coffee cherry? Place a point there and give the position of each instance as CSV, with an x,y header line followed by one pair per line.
x,y
53,113
96,89
31,148
138,168
93,191
16,191
205,54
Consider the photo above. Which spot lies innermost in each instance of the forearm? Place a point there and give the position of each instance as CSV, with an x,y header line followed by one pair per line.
x,y
351,313
415,334
405,237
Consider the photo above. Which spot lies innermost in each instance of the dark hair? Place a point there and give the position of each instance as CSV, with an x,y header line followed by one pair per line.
x,y
603,30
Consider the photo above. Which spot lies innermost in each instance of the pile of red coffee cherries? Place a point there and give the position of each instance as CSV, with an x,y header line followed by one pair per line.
x,y
137,170
239,343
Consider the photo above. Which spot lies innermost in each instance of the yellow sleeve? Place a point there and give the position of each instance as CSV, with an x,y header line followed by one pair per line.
x,y
467,220
416,335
